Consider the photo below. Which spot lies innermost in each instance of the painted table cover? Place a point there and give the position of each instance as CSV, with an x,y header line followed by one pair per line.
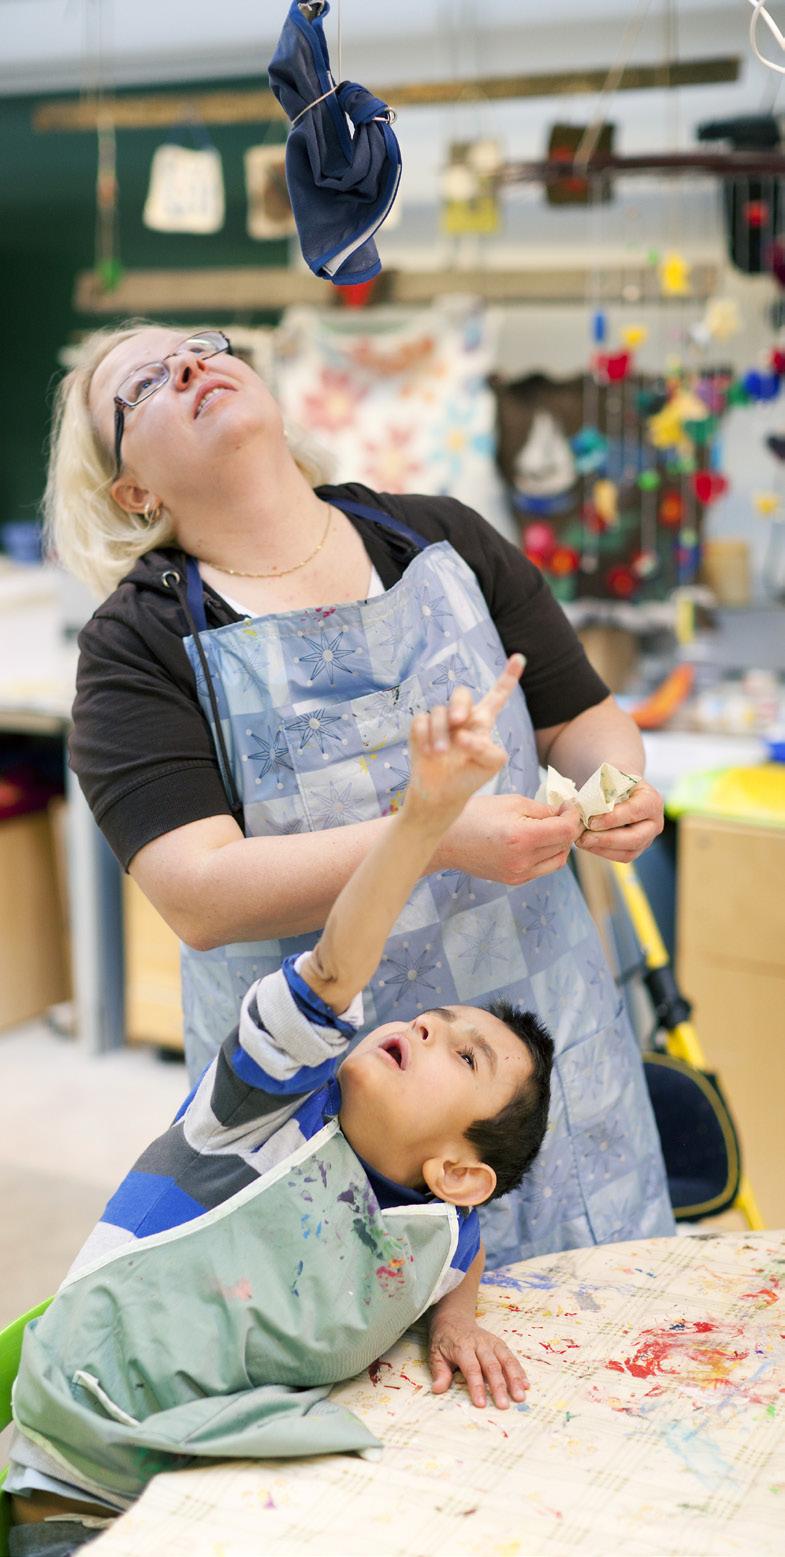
x,y
655,1424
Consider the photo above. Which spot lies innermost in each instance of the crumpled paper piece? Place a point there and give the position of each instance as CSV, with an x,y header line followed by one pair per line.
x,y
601,792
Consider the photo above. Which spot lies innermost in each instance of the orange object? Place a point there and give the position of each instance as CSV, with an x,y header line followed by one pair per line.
x,y
658,709
564,561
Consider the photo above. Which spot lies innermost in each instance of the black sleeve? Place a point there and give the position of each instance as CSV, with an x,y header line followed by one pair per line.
x,y
558,680
140,746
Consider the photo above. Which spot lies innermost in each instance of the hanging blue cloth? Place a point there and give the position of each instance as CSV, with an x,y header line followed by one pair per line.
x,y
343,163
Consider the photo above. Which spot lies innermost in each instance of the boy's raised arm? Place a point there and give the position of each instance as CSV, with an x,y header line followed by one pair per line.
x,y
452,755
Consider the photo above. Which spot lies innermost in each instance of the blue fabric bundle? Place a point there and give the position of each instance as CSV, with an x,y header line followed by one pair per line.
x,y
341,184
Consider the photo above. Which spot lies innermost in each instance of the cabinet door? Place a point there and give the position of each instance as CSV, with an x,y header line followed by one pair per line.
x,y
153,1011
731,964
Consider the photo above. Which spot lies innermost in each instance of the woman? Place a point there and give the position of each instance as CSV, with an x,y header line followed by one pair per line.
x,y
239,732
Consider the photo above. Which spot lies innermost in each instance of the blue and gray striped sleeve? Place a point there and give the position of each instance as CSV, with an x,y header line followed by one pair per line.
x,y
288,1041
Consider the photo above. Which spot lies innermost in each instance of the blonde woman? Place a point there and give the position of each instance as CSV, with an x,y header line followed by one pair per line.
x,y
239,731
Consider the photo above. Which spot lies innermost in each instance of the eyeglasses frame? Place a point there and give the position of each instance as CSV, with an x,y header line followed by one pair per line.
x,y
122,405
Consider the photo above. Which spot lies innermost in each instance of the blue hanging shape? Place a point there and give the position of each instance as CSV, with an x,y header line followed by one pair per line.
x,y
343,163
599,327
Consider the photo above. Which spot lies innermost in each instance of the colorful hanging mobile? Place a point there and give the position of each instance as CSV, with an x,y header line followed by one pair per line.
x,y
107,261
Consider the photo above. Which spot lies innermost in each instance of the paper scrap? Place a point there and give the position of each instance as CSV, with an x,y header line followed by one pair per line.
x,y
601,792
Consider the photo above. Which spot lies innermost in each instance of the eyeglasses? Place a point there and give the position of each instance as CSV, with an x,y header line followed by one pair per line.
x,y
144,381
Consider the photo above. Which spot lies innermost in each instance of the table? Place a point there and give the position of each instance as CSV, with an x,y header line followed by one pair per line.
x,y
655,1426
37,682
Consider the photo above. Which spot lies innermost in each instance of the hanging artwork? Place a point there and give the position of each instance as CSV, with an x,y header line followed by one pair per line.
x,y
270,212
343,162
186,190
752,202
402,405
469,188
564,141
107,261
628,526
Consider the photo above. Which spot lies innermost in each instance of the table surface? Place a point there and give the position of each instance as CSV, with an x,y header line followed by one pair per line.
x,y
655,1424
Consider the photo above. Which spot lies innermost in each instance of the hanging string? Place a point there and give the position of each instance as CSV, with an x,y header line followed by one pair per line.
x,y
611,83
98,49
759,13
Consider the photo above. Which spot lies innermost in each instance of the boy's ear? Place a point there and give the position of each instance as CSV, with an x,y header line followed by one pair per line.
x,y
465,1183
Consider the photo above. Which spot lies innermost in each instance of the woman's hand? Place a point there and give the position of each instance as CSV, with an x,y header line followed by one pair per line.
x,y
623,833
509,838
485,1361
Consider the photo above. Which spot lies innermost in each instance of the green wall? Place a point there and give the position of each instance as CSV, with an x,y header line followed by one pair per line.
x,y
47,234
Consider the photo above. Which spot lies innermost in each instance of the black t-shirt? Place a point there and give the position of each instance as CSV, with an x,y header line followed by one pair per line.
x,y
141,747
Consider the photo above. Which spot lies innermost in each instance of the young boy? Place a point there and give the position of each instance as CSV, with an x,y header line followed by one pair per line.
x,y
300,1213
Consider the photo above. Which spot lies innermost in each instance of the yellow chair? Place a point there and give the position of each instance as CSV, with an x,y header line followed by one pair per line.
x,y
673,1013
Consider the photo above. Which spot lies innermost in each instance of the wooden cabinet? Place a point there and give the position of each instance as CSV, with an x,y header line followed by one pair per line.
x,y
731,964
33,944
153,1011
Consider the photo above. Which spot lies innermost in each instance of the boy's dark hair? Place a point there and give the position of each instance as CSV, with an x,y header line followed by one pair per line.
x,y
510,1141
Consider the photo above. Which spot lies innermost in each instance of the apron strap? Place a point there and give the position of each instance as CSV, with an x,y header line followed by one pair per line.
x,y
195,594
193,605
378,516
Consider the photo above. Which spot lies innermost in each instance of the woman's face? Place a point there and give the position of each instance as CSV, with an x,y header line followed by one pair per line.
x,y
177,437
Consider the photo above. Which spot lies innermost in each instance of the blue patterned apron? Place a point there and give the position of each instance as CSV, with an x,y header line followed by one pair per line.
x,y
314,708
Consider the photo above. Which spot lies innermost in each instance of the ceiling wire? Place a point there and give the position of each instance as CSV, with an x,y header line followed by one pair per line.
x,y
612,81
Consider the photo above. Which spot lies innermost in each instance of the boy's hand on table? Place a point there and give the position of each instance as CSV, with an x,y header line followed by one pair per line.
x,y
486,1362
452,749
623,833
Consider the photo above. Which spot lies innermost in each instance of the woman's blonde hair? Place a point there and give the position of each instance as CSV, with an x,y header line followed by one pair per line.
x,y
86,530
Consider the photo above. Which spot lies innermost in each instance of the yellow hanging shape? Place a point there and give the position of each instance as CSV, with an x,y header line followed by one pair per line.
x,y
605,497
674,275
634,336
766,504
722,318
666,429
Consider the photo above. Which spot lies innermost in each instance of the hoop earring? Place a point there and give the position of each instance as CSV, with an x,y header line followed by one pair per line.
x,y
151,513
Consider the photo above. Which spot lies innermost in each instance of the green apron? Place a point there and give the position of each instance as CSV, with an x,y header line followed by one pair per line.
x,y
221,1338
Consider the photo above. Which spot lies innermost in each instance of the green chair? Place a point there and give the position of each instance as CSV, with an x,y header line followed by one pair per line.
x,y
10,1352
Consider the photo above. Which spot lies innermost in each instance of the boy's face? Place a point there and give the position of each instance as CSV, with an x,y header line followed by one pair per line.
x,y
410,1090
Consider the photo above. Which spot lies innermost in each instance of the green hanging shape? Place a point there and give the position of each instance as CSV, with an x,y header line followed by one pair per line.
x,y
110,274
701,430
649,480
737,394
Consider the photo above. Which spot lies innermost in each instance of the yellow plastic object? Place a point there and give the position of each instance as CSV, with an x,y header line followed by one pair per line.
x,y
634,335
682,1040
674,275
605,497
755,795
766,504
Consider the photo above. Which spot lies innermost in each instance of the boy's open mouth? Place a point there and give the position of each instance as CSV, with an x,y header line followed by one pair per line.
x,y
397,1047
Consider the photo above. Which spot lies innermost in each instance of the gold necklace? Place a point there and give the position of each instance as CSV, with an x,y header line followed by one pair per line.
x,y
279,572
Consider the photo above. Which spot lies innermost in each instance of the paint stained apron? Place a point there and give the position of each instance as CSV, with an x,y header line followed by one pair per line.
x,y
315,707
221,1338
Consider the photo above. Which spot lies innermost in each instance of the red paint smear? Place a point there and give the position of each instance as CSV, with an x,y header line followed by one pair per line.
x,y
679,1353
566,1346
765,1292
375,1370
